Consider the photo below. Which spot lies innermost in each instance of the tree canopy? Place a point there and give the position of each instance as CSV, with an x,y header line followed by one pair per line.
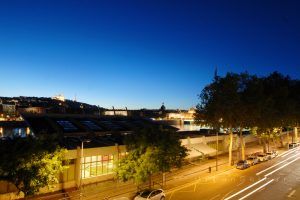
x,y
30,163
150,151
264,104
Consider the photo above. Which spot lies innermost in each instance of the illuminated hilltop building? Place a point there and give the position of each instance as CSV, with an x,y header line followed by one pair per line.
x,y
59,97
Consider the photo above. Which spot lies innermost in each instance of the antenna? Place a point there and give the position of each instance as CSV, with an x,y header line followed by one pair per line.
x,y
216,73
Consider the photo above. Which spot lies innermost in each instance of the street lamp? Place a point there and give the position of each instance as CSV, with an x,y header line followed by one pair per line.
x,y
217,150
81,164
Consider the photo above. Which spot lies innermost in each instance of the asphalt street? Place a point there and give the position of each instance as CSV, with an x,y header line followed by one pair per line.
x,y
278,178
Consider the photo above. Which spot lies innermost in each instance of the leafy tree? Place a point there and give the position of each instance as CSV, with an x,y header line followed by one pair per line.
x,y
151,150
264,104
272,107
30,163
221,105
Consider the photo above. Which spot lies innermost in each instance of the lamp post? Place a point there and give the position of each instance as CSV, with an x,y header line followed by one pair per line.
x,y
81,168
217,150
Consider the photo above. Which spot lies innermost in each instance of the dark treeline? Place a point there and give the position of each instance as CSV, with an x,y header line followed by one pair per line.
x,y
267,105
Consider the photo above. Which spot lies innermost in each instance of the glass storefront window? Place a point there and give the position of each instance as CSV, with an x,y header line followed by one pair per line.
x,y
97,165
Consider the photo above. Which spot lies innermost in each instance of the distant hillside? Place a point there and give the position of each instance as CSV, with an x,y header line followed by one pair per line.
x,y
52,105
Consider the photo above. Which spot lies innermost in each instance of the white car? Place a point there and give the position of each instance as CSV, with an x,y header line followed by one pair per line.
x,y
154,194
252,160
263,157
272,154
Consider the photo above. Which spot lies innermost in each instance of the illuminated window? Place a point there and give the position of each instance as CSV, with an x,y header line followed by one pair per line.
x,y
97,165
122,155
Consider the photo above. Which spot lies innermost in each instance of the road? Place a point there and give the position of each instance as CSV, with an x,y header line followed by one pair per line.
x,y
278,178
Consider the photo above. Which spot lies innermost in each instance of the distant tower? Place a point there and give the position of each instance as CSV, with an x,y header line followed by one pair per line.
x,y
75,98
216,77
163,107
162,110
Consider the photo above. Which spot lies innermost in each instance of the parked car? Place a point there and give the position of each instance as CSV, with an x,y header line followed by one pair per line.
x,y
252,160
293,145
263,157
272,154
154,194
242,164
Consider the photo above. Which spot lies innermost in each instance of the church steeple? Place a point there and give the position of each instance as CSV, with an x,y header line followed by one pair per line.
x,y
163,107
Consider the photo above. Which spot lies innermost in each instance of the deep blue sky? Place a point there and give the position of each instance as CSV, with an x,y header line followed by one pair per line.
x,y
141,53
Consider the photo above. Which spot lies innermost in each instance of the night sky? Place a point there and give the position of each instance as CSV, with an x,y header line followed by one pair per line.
x,y
141,53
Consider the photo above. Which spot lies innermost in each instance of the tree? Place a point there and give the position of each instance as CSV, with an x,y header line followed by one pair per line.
x,y
220,105
272,107
30,163
151,150
266,105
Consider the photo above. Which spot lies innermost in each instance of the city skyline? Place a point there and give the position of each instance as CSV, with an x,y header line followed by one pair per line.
x,y
139,54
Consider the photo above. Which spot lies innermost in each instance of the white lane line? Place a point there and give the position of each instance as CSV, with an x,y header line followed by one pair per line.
x,y
288,151
215,197
272,172
294,150
291,193
264,185
276,164
246,188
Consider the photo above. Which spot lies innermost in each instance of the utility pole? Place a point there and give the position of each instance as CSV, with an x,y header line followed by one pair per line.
x,y
217,150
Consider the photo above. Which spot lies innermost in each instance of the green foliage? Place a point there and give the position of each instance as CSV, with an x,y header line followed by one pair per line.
x,y
30,163
265,104
150,151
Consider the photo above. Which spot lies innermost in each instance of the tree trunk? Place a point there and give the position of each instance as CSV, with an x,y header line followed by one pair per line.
x,y
296,134
264,145
259,141
230,146
281,139
288,137
164,179
242,144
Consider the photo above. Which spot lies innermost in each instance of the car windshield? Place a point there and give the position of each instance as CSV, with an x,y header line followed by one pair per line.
x,y
145,193
240,162
250,158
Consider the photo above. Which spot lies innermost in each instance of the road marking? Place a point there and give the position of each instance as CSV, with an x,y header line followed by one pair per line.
x,y
257,189
286,152
214,197
276,164
272,172
289,152
171,196
197,181
291,193
295,150
246,188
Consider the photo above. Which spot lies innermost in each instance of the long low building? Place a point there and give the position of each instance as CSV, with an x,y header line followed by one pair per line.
x,y
103,147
